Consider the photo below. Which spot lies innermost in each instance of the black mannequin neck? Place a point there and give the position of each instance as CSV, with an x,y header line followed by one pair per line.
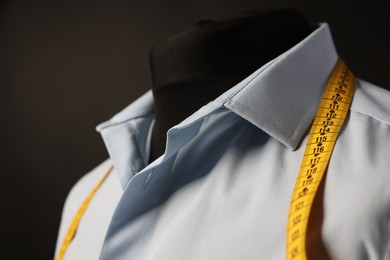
x,y
196,66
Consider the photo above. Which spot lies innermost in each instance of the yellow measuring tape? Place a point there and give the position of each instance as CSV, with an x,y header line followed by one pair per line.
x,y
328,121
76,219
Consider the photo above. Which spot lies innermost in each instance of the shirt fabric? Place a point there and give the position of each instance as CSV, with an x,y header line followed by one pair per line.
x,y
223,187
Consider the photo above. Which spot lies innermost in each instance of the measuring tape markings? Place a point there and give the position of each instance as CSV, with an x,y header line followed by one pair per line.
x,y
328,122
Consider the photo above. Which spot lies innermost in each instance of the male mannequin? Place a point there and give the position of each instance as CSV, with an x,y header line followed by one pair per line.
x,y
222,189
196,66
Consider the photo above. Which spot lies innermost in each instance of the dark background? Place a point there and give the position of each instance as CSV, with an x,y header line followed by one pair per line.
x,y
67,66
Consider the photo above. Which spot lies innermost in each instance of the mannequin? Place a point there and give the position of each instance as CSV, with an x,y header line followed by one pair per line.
x,y
194,67
212,199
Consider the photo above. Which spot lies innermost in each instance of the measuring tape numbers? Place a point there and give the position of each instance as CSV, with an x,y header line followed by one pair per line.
x,y
330,116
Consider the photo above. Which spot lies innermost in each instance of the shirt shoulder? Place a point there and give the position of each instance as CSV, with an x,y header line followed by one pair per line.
x,y
372,101
96,217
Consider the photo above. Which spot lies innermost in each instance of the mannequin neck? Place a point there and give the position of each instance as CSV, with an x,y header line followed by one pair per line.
x,y
196,66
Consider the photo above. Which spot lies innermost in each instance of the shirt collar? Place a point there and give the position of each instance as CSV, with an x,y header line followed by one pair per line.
x,y
280,98
127,137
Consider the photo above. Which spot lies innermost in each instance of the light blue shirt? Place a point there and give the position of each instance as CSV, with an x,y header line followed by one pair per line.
x,y
222,189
